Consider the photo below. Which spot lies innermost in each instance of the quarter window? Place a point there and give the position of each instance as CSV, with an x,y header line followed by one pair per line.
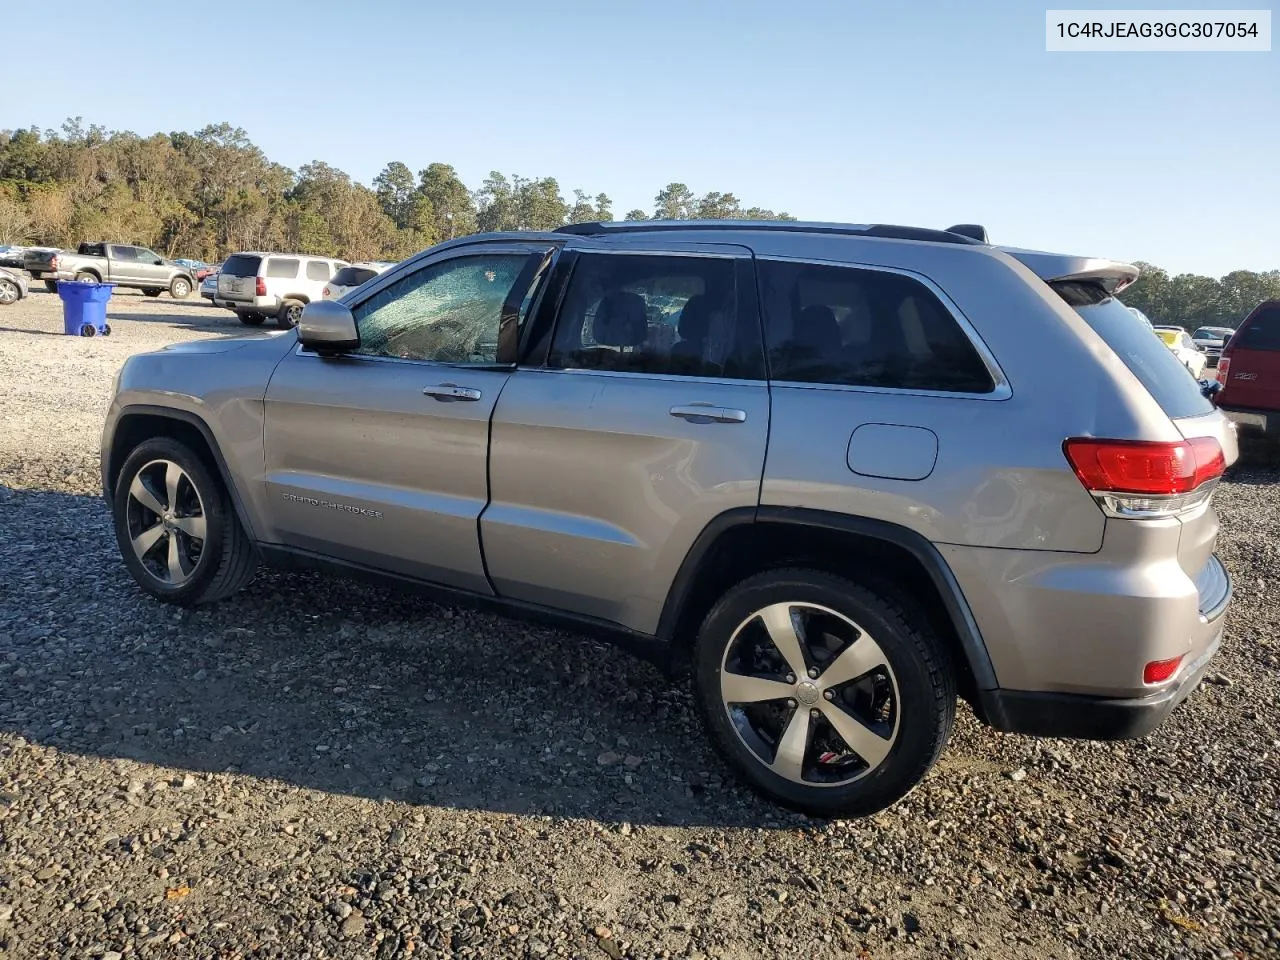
x,y
448,312
864,328
656,314
282,268
317,270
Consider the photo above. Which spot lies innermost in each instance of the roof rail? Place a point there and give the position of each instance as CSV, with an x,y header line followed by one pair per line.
x,y
883,231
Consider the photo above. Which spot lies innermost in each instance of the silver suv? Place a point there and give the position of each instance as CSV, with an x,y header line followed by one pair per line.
x,y
841,474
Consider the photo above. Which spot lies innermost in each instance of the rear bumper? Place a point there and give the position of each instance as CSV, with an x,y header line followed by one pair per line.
x,y
1268,421
1084,717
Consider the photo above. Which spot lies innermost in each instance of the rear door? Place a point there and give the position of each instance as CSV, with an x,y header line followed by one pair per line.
x,y
123,264
648,419
1252,375
379,457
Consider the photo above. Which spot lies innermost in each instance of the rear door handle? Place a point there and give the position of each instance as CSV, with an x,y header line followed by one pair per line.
x,y
451,391
706,413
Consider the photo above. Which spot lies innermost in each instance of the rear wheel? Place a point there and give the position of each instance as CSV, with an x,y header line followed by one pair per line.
x,y
51,286
176,527
152,291
9,292
180,288
823,695
290,313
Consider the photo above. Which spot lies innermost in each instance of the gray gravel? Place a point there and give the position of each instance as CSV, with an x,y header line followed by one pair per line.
x,y
317,768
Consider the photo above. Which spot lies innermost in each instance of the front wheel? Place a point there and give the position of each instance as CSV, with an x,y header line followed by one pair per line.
x,y
9,292
152,292
823,695
176,527
180,288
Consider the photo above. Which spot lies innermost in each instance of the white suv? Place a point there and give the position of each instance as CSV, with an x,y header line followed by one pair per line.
x,y
260,285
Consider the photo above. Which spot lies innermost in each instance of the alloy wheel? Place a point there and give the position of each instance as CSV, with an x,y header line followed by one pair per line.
x,y
810,694
8,292
166,522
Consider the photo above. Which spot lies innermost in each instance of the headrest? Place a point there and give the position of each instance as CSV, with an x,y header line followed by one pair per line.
x,y
695,318
816,328
621,321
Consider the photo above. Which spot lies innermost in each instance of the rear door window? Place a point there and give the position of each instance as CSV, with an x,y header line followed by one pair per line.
x,y
1262,332
283,268
1155,365
242,265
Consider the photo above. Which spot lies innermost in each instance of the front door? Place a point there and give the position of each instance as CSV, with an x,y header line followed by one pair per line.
x,y
648,419
379,457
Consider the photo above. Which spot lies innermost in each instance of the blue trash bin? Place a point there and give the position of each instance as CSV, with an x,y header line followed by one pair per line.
x,y
84,307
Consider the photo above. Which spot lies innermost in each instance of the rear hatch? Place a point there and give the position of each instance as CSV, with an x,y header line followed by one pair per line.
x,y
1250,366
1182,399
238,281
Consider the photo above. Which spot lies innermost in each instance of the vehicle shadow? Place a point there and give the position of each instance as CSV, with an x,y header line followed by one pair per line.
x,y
38,333
214,320
338,686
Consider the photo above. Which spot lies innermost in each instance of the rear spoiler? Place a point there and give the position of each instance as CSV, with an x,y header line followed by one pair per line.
x,y
1111,275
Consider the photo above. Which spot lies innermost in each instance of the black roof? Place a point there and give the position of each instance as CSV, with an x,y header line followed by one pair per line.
x,y
961,233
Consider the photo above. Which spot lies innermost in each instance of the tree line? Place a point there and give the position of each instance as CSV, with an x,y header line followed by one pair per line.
x,y
1190,300
212,192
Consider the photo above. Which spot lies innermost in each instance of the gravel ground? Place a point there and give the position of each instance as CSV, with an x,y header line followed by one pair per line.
x,y
317,768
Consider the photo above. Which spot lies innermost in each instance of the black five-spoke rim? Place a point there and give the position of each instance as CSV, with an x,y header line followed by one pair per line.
x,y
810,694
166,521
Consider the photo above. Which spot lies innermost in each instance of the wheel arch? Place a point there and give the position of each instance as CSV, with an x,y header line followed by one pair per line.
x,y
742,542
140,422
92,271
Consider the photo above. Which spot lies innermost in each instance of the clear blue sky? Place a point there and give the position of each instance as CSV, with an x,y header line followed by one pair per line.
x,y
924,113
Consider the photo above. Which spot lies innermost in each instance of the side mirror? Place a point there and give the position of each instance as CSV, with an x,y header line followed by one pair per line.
x,y
328,328
159,263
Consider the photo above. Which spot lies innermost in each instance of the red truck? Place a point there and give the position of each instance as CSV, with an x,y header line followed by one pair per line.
x,y
1249,371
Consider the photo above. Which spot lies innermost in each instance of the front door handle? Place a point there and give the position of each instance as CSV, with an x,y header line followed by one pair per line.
x,y
706,413
451,391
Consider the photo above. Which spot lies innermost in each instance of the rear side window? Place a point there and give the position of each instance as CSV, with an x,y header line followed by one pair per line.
x,y
1166,379
284,268
353,276
317,270
1262,332
864,328
242,265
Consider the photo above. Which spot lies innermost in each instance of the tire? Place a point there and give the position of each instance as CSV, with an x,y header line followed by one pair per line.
x,y
84,276
898,711
88,330
290,313
251,319
51,286
180,288
9,292
217,564
152,291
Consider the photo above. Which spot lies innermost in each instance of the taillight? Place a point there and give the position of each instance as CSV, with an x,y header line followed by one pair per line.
x,y
1224,364
260,287
1139,479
